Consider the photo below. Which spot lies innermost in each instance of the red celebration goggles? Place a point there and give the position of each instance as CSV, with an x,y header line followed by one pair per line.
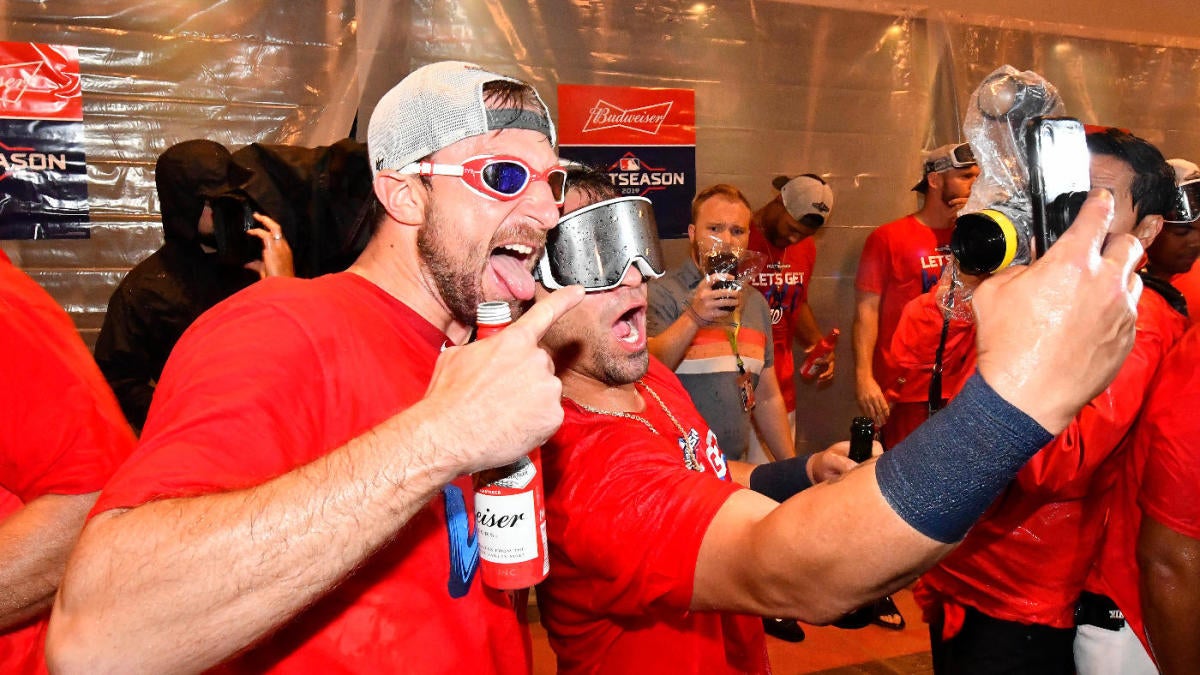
x,y
499,177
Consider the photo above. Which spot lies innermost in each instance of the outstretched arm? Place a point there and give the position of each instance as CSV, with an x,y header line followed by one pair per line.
x,y
838,545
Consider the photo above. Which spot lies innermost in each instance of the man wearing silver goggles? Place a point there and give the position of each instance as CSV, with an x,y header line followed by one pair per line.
x,y
640,538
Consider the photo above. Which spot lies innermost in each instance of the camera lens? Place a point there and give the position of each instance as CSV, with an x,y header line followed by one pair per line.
x,y
983,241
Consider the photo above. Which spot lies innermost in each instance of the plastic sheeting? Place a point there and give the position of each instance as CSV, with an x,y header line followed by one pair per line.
x,y
781,87
158,73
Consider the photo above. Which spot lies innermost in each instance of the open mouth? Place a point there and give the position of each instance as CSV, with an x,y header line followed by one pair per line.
x,y
630,327
510,264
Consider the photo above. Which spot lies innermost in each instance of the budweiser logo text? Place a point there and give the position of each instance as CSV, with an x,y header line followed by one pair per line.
x,y
646,119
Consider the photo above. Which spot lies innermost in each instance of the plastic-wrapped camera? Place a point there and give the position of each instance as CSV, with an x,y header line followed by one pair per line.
x,y
1034,172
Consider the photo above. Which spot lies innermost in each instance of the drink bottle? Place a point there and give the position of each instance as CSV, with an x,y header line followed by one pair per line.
x,y
811,368
862,433
510,510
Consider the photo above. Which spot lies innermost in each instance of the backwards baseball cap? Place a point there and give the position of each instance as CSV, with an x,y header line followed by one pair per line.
x,y
806,195
944,158
440,104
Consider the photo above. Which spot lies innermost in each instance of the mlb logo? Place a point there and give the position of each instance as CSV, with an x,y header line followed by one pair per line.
x,y
630,164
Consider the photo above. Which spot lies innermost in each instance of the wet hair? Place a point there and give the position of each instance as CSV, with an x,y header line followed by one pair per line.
x,y
500,94
1153,187
719,190
594,183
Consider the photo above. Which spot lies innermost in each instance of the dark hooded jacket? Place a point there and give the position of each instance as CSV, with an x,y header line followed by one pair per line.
x,y
167,291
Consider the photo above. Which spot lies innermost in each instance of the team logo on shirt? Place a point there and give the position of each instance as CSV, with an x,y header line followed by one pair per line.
x,y
464,544
715,456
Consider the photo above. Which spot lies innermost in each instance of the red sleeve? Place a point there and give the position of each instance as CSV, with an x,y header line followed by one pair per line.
x,y
874,264
1064,467
620,489
238,404
1170,429
63,432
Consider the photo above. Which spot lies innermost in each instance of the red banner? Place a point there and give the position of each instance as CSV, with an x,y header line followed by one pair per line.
x,y
43,167
39,81
593,115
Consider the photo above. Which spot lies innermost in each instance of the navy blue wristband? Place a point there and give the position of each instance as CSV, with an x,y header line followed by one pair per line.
x,y
943,477
780,480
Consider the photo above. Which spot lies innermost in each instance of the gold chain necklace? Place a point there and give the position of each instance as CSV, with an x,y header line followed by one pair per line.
x,y
686,442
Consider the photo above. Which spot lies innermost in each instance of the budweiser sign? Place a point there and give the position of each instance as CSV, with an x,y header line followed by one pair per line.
x,y
645,119
39,81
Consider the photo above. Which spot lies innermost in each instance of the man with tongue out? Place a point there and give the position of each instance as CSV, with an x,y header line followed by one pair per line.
x,y
301,497
660,562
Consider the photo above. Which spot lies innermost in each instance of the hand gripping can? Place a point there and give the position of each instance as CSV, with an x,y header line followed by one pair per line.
x,y
510,509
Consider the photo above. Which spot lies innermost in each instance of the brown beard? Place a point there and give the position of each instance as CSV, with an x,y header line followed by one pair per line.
x,y
458,289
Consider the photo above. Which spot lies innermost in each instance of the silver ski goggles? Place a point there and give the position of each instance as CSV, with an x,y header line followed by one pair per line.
x,y
1186,208
595,246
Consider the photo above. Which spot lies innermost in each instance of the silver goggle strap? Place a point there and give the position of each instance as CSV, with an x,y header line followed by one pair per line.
x,y
596,245
1187,206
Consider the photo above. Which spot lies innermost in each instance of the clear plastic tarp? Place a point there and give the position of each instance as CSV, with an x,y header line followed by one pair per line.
x,y
781,88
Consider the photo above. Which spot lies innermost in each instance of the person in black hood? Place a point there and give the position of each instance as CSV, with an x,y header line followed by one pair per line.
x,y
166,292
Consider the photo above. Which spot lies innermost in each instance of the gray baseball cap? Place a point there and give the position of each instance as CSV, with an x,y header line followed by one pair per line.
x,y
437,105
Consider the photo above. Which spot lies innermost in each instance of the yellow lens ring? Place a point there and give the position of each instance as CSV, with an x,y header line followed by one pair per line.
x,y
1009,231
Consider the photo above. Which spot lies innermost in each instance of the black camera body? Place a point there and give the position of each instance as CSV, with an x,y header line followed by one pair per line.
x,y
233,217
1026,225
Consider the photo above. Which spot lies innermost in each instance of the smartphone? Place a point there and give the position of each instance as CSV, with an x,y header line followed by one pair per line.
x,y
233,218
1059,176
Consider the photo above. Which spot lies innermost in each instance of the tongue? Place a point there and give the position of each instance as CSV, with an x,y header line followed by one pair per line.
x,y
513,275
622,329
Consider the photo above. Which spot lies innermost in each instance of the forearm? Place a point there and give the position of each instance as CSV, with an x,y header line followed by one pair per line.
x,y
1170,584
671,345
823,552
770,417
34,544
833,547
804,326
186,583
866,333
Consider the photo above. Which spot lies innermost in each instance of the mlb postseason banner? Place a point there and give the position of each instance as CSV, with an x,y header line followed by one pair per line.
x,y
644,138
43,171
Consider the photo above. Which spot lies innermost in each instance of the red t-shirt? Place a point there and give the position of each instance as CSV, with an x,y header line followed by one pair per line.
x,y
63,432
278,376
900,261
626,520
914,350
1026,560
784,283
1157,477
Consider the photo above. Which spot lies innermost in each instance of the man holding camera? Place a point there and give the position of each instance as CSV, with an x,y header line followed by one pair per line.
x,y
716,334
668,586
900,261
161,296
1005,600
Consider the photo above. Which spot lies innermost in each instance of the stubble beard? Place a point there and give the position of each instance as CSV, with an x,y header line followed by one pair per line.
x,y
459,290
